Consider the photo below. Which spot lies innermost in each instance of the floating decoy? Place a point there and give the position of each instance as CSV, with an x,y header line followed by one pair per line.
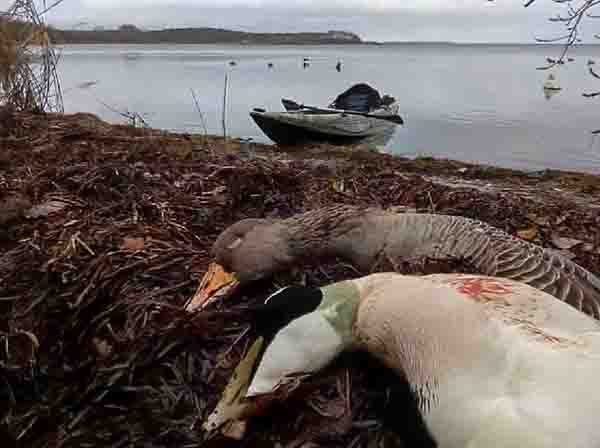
x,y
551,83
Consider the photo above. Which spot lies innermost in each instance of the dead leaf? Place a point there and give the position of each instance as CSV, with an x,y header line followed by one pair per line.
x,y
539,220
133,244
590,247
527,234
568,254
565,243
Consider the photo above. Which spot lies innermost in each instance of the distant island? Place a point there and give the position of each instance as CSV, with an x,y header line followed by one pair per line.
x,y
130,34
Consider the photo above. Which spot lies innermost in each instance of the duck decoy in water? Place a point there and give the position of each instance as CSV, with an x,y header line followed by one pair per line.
x,y
551,83
232,63
270,65
489,362
252,249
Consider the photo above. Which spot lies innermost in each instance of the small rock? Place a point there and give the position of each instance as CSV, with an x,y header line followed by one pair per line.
x,y
45,209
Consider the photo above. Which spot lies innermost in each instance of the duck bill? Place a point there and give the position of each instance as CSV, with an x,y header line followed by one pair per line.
x,y
233,407
217,283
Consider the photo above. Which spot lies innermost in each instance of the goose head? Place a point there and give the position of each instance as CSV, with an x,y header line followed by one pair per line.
x,y
247,251
253,249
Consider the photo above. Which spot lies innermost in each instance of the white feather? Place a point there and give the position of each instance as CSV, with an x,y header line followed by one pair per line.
x,y
512,366
279,291
306,345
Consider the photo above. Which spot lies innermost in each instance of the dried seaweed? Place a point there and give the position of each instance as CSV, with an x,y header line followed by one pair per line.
x,y
107,229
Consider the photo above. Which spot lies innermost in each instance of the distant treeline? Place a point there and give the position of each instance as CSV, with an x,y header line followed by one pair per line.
x,y
129,34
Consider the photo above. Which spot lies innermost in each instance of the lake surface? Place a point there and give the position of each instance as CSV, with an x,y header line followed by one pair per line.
x,y
476,103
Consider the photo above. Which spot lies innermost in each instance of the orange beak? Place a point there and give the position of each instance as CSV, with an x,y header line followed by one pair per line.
x,y
216,283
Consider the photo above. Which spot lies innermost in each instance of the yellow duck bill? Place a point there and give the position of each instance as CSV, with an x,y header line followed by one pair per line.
x,y
232,406
217,283
236,406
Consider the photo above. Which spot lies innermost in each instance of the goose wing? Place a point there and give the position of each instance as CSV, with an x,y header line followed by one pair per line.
x,y
496,253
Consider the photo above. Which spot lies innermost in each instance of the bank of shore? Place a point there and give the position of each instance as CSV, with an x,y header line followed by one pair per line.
x,y
105,231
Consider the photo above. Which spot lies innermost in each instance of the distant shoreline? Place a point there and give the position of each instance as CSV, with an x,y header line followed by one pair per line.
x,y
354,44
129,34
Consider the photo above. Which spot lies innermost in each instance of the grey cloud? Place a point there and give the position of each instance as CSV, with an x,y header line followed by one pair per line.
x,y
458,20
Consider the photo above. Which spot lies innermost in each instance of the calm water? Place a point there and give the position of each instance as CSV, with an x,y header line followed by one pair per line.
x,y
469,102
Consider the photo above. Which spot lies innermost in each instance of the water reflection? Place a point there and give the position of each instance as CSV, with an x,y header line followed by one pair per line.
x,y
549,93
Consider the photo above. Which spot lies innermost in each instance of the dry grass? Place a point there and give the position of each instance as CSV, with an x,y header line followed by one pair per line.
x,y
28,77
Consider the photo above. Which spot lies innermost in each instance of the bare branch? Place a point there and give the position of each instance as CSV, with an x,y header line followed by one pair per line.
x,y
52,6
133,118
202,121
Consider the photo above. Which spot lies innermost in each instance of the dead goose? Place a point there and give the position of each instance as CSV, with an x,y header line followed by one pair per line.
x,y
254,248
489,362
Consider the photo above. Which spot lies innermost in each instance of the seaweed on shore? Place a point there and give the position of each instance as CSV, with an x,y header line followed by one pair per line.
x,y
105,231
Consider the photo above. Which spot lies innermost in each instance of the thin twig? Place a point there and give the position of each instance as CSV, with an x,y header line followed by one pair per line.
x,y
202,121
224,116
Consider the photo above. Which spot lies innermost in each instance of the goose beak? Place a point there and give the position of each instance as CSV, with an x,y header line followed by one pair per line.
x,y
233,408
216,283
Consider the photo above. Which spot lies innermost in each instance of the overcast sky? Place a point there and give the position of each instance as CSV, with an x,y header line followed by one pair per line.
x,y
424,20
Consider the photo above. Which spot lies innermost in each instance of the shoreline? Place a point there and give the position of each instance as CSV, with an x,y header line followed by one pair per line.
x,y
540,185
106,230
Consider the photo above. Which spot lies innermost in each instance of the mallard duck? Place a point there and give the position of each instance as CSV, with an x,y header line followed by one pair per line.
x,y
256,248
490,362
